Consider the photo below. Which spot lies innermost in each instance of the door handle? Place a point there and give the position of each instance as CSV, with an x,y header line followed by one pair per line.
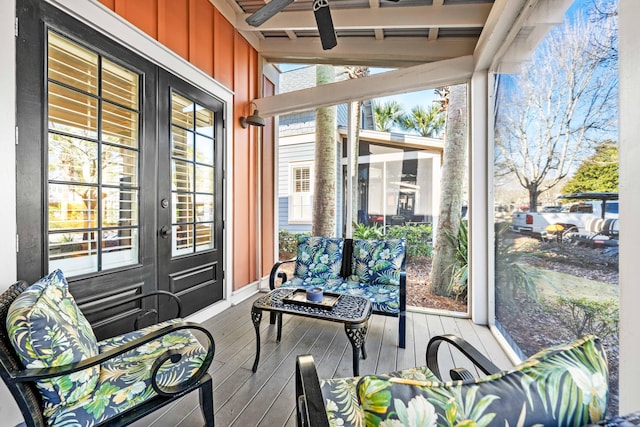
x,y
164,232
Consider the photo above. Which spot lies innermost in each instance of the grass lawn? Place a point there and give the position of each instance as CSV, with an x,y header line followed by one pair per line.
x,y
551,284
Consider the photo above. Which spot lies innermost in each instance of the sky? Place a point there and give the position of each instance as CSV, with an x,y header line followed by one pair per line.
x,y
409,100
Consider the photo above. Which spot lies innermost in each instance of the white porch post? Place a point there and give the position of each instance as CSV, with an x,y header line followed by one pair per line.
x,y
629,125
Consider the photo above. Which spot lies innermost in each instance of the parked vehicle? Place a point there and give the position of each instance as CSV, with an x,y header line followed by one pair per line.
x,y
592,219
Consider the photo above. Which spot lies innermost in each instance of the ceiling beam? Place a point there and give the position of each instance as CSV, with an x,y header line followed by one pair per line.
x,y
420,77
389,52
469,15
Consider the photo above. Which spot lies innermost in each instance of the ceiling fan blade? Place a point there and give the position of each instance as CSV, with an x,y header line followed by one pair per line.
x,y
325,24
261,15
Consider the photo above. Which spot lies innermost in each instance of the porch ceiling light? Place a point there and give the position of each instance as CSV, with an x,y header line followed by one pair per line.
x,y
253,120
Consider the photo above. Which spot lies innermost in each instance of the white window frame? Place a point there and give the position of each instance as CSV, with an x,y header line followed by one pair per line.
x,y
292,218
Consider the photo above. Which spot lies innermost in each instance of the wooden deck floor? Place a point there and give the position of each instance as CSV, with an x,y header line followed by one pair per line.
x,y
266,398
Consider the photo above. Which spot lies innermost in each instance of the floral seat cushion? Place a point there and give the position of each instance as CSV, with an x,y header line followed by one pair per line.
x,y
328,285
377,262
125,381
384,298
341,399
318,257
47,329
561,386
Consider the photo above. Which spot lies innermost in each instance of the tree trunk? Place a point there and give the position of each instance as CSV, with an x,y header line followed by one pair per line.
x,y
533,199
354,137
452,179
324,189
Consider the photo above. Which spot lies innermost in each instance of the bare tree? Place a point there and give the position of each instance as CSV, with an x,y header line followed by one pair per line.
x,y
324,188
454,100
557,107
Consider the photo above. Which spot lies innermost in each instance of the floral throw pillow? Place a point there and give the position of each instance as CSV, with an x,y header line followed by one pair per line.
x,y
47,329
378,262
562,386
318,257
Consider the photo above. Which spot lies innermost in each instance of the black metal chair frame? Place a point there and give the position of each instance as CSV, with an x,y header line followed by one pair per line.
x,y
21,381
310,409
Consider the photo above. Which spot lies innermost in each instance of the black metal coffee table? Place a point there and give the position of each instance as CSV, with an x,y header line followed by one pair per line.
x,y
353,311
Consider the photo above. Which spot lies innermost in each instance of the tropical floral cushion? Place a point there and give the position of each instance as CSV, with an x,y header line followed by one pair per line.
x,y
125,380
318,257
562,386
384,298
47,329
328,285
341,399
377,262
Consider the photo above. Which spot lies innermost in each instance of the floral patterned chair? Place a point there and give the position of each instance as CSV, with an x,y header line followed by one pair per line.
x,y
566,385
60,375
369,268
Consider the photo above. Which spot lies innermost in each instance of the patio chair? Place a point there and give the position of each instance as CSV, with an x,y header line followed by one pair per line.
x,y
565,385
60,375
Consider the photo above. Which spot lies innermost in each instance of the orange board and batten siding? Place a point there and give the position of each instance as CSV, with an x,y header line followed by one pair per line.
x,y
195,30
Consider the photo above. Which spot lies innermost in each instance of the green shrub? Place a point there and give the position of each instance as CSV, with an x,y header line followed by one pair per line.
x,y
518,280
460,274
361,231
418,238
584,316
288,243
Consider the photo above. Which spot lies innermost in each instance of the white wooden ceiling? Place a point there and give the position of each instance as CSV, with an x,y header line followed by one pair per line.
x,y
380,33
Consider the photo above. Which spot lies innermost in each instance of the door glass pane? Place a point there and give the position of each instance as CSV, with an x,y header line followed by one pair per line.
x,y
73,252
119,85
119,166
204,150
182,179
192,176
204,121
72,112
119,247
204,237
72,159
72,207
93,198
119,207
181,143
119,125
182,111
204,181
183,208
72,65
183,238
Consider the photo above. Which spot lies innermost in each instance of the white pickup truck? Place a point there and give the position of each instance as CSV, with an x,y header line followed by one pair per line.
x,y
595,214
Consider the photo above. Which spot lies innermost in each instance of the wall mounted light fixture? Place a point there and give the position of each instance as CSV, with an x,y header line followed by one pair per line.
x,y
253,120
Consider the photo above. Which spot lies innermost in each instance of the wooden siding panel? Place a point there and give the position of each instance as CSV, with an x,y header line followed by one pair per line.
x,y
141,13
201,29
223,46
111,4
243,251
173,25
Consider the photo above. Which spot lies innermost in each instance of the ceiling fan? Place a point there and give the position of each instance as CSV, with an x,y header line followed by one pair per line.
x,y
320,10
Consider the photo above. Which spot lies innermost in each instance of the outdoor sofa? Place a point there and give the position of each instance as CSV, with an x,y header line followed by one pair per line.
x,y
369,268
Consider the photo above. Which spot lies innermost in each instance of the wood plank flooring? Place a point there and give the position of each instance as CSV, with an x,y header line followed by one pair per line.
x,y
266,398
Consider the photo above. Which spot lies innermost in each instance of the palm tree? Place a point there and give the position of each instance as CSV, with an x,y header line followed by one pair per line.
x,y
355,108
454,101
426,121
387,114
324,193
